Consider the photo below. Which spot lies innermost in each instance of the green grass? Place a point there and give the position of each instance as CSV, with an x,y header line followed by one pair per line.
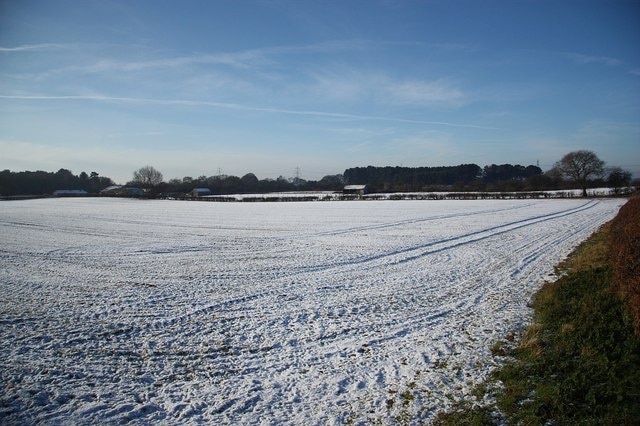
x,y
578,363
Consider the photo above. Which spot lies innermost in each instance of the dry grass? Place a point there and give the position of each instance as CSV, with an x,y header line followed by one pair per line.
x,y
579,362
532,340
592,254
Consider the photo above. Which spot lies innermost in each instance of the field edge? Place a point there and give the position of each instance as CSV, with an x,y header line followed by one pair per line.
x,y
577,362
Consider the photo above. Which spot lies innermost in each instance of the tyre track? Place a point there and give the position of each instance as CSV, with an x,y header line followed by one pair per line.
x,y
396,327
415,221
295,338
388,259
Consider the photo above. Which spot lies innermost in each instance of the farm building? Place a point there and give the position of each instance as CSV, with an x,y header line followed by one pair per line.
x,y
200,192
355,189
122,191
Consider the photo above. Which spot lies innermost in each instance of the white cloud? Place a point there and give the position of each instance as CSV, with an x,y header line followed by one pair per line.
x,y
27,47
260,72
588,59
118,65
244,59
355,86
329,46
361,132
437,92
241,107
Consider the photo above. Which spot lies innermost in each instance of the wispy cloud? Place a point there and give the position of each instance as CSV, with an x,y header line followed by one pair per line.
x,y
142,134
238,59
355,86
262,71
588,59
329,46
412,92
26,47
241,107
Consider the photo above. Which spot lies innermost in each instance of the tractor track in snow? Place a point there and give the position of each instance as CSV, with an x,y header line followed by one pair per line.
x,y
382,260
219,316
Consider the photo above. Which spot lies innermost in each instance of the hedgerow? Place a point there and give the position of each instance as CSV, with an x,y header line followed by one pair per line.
x,y
625,257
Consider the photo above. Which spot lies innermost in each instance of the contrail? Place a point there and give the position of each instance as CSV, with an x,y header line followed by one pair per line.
x,y
31,47
242,107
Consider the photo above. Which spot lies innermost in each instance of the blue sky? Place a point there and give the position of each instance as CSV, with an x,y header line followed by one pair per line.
x,y
266,86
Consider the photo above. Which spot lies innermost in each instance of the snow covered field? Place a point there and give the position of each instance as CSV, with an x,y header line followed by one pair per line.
x,y
265,313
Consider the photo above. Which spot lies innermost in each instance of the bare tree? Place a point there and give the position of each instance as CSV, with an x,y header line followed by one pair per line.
x,y
580,166
147,177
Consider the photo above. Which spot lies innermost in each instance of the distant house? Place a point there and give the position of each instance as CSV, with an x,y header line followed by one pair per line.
x,y
70,193
200,192
134,192
122,191
111,190
355,189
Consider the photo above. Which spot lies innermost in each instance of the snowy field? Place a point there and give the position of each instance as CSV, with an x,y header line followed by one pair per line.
x,y
171,312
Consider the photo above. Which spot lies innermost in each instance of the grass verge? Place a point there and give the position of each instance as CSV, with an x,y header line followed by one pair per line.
x,y
579,361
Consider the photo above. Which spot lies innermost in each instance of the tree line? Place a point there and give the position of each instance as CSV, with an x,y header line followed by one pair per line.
x,y
461,177
578,168
41,182
249,183
582,168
